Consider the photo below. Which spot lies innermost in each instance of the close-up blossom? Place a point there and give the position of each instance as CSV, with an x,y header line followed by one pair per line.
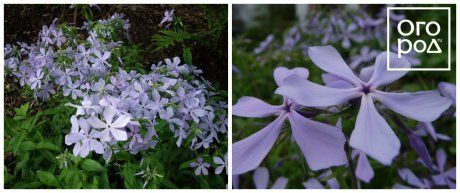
x,y
357,117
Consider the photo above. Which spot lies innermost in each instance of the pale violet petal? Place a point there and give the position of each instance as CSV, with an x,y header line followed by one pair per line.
x,y
96,123
121,121
321,144
261,178
281,73
328,59
410,178
424,106
373,135
311,94
254,107
280,183
249,152
381,76
313,183
364,169
119,135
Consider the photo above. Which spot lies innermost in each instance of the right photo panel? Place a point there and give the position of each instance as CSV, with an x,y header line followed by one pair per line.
x,y
344,96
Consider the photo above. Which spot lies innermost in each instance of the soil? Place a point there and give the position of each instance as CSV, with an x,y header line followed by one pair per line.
x,y
23,22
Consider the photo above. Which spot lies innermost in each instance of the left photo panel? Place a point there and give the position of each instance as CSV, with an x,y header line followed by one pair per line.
x,y
115,96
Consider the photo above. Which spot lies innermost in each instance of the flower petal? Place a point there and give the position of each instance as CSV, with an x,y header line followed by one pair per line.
x,y
364,169
261,178
249,152
424,106
400,186
281,73
321,144
366,73
121,121
109,113
96,123
381,75
428,126
451,173
328,59
72,138
313,183
74,121
448,90
280,183
119,135
441,158
373,135
335,82
254,107
96,146
84,151
408,176
311,94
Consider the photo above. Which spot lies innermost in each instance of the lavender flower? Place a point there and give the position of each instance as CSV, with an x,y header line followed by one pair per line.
x,y
424,129
264,44
348,34
168,17
365,55
321,144
222,164
85,140
72,88
111,129
408,176
372,134
201,167
445,177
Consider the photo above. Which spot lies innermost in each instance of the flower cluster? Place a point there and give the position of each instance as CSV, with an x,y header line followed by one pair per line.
x,y
117,110
348,27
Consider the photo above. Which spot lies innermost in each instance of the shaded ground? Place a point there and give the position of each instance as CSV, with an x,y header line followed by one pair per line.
x,y
23,22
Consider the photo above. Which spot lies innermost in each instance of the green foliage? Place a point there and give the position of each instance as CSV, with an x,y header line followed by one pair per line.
x,y
167,38
187,55
217,22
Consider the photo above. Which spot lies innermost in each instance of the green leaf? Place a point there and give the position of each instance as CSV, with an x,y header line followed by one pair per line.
x,y
27,146
47,178
187,55
92,166
168,38
21,112
29,185
168,184
203,183
186,164
48,146
105,180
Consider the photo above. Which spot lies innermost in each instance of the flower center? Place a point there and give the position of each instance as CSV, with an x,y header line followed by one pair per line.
x,y
366,89
287,108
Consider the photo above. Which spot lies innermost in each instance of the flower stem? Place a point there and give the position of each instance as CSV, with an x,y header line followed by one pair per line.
x,y
351,167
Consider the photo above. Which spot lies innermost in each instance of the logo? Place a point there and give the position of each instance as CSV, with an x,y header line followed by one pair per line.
x,y
418,36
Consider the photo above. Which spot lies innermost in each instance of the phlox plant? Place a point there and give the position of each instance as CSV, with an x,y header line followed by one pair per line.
x,y
350,122
149,125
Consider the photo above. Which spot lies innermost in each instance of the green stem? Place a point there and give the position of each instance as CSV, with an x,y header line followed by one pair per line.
x,y
351,167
